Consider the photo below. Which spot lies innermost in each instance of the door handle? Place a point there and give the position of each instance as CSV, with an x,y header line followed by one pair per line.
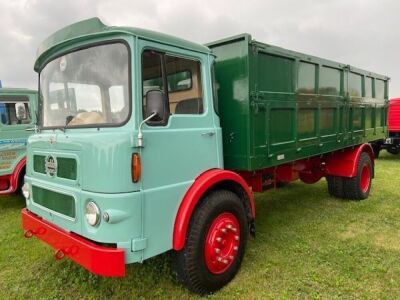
x,y
211,133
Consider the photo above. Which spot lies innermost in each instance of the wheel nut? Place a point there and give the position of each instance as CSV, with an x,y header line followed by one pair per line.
x,y
234,229
219,239
219,258
229,226
235,248
236,237
223,230
225,261
231,257
217,250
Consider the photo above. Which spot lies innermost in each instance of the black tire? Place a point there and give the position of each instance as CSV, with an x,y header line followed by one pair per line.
x,y
393,150
190,262
377,150
335,186
353,187
281,184
21,181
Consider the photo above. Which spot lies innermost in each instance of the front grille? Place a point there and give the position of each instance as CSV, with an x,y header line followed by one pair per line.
x,y
61,203
38,163
66,167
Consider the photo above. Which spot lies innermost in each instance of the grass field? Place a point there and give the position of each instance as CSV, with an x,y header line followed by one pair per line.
x,y
308,245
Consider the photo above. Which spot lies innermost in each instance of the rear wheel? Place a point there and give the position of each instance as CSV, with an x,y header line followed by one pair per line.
x,y
215,243
335,186
393,150
358,187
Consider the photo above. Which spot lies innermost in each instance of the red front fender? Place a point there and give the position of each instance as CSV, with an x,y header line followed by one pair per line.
x,y
13,178
202,184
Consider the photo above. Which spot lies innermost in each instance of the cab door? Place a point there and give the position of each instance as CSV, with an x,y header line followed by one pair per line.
x,y
16,116
178,150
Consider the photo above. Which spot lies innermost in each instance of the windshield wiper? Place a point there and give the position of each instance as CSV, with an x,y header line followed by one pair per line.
x,y
67,121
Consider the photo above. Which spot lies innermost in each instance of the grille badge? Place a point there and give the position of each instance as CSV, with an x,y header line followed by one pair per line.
x,y
50,165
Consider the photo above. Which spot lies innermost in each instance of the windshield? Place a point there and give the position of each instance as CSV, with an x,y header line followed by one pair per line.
x,y
89,87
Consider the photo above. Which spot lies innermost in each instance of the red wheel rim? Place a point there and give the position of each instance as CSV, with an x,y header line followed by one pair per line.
x,y
365,179
222,243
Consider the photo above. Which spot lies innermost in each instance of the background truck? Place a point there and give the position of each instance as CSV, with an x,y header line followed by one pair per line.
x,y
392,141
17,115
394,127
149,143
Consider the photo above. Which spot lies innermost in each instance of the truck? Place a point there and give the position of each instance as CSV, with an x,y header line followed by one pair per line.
x,y
392,142
148,143
17,117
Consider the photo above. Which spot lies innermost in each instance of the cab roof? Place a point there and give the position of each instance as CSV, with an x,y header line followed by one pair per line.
x,y
19,91
95,27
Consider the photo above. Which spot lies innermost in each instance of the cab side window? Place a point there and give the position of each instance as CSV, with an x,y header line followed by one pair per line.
x,y
14,112
184,86
179,79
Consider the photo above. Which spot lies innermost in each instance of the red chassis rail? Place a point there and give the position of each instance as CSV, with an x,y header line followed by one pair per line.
x,y
97,259
340,163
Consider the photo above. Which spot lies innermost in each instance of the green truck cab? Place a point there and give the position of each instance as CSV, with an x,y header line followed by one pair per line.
x,y
17,119
149,143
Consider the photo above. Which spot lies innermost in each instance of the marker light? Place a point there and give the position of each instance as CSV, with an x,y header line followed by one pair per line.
x,y
136,167
26,190
92,213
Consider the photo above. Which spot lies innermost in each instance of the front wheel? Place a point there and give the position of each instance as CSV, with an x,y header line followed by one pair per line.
x,y
215,243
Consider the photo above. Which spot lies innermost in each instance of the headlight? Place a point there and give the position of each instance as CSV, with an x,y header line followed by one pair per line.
x,y
92,213
26,190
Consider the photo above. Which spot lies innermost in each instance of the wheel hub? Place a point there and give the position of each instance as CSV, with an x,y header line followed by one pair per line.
x,y
365,179
222,243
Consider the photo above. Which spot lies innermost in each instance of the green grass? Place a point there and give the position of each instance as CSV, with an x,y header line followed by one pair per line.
x,y
308,245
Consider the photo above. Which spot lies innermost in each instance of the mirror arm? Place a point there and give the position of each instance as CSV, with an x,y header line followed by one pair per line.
x,y
140,134
35,129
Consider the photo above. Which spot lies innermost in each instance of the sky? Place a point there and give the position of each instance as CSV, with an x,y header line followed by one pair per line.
x,y
362,33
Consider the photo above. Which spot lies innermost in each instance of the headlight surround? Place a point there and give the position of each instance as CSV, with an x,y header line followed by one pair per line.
x,y
26,190
92,213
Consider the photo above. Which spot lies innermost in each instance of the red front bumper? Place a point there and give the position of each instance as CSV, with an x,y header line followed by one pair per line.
x,y
97,259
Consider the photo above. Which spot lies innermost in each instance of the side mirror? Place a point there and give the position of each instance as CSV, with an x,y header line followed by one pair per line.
x,y
156,112
20,111
156,104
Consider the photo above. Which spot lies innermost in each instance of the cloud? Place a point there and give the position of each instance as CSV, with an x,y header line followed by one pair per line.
x,y
363,33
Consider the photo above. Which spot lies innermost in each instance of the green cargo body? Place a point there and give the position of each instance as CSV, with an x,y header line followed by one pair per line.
x,y
278,105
